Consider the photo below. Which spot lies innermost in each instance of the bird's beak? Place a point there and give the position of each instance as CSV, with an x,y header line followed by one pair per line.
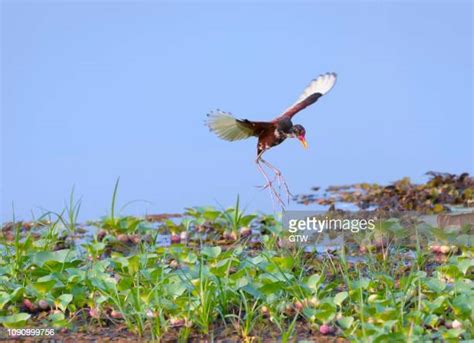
x,y
303,141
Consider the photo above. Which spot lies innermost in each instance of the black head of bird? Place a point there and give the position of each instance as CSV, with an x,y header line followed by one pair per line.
x,y
298,131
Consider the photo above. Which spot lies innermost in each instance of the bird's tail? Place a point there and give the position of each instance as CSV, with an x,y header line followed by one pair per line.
x,y
225,126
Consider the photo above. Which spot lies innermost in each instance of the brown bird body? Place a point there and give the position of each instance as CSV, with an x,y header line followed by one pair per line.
x,y
271,133
274,134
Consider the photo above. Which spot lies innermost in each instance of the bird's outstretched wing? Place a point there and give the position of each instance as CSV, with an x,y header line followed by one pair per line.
x,y
227,127
316,89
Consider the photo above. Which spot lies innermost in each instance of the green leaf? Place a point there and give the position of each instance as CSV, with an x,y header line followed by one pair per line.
x,y
340,297
245,220
272,288
437,304
190,258
60,256
58,320
431,320
361,283
97,247
17,293
391,337
63,301
134,264
313,281
345,322
242,282
464,265
211,252
462,306
436,285
325,312
309,313
453,333
176,289
17,320
44,286
211,214
54,317
4,299
284,263
250,289
373,298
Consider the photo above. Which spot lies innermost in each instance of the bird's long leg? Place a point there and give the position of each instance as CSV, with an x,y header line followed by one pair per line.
x,y
268,184
273,192
280,177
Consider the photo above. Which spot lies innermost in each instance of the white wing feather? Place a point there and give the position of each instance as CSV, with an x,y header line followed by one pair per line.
x,y
322,84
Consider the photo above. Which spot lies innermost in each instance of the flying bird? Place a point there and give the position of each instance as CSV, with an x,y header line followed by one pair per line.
x,y
274,132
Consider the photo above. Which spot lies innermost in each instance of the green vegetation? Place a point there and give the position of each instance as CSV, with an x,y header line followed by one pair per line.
x,y
222,273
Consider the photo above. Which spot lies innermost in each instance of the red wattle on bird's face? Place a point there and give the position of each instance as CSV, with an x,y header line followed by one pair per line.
x,y
303,141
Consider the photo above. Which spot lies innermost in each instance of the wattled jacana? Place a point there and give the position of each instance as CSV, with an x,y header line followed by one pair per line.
x,y
273,132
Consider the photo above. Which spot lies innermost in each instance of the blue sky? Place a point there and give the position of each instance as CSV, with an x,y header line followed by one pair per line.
x,y
96,90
